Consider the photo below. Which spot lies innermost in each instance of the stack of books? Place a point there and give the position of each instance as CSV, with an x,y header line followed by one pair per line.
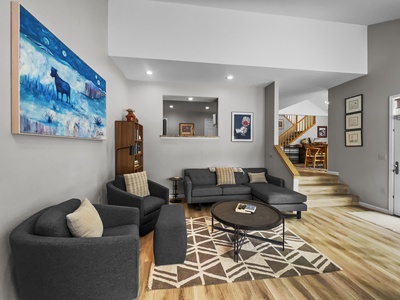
x,y
245,208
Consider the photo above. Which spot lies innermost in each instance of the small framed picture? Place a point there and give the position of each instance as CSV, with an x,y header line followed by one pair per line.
x,y
354,104
242,127
353,138
186,129
354,121
280,124
322,131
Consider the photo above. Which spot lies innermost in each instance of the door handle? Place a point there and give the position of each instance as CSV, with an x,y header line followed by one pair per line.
x,y
396,168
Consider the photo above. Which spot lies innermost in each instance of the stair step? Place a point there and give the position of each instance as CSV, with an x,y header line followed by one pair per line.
x,y
327,188
314,200
304,180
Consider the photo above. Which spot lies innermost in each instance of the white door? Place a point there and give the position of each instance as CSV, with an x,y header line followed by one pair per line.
x,y
396,168
394,154
209,128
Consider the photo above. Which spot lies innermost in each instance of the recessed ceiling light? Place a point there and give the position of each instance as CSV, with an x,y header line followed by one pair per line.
x,y
229,77
190,98
171,106
207,107
149,73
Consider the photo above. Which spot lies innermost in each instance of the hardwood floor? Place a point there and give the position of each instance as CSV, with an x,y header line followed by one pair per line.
x,y
368,254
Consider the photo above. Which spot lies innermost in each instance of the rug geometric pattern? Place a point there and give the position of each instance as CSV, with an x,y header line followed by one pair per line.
x,y
209,258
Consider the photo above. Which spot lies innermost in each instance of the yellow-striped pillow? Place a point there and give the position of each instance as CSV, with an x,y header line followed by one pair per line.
x,y
225,175
136,184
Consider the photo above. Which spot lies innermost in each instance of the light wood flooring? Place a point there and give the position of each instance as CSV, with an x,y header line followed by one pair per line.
x,y
368,254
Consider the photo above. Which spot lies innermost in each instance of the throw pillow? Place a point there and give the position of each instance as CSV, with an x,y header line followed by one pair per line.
x,y
257,177
85,221
225,175
136,184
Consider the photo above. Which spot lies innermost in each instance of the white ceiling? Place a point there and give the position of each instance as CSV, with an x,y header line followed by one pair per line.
x,y
362,12
294,84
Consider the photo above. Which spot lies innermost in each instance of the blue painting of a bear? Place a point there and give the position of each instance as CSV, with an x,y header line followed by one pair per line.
x,y
60,95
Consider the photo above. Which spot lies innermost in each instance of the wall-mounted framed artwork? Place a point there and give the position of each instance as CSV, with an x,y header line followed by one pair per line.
x,y
354,121
322,131
281,125
186,129
54,92
354,104
353,138
242,127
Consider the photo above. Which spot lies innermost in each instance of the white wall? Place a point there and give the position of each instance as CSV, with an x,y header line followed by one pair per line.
x,y
365,168
164,158
169,31
41,171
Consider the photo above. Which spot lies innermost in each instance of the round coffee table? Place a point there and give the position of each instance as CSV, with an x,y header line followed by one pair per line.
x,y
265,217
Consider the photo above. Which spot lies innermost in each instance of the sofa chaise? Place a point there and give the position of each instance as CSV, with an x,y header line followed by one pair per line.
x,y
200,186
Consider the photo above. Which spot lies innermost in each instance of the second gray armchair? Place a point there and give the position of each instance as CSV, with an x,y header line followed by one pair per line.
x,y
149,206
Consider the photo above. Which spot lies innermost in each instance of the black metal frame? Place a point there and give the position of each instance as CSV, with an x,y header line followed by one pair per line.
x,y
239,236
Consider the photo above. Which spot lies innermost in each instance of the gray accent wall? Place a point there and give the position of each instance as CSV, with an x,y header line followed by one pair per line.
x,y
36,172
366,168
166,157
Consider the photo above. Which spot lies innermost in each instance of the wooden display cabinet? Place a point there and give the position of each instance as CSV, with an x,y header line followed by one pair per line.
x,y
128,147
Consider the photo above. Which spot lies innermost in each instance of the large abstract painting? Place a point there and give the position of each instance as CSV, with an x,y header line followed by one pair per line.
x,y
54,92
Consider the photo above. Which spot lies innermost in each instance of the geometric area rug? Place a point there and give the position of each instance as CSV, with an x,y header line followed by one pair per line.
x,y
209,258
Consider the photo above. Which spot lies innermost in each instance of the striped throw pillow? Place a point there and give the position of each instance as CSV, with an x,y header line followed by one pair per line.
x,y
225,175
257,177
136,184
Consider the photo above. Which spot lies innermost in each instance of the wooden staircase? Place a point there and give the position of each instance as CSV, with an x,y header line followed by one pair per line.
x,y
325,190
299,127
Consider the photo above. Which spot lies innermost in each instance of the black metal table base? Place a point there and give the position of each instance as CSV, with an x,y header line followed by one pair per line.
x,y
240,235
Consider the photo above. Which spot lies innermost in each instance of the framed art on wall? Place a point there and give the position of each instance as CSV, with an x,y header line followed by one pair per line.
x,y
354,121
186,129
280,124
242,127
322,131
353,138
354,104
54,92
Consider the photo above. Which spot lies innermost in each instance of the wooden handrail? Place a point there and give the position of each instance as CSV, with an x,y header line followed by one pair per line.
x,y
297,130
289,165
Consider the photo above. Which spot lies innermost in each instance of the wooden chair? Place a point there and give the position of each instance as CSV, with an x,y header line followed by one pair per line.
x,y
311,155
321,158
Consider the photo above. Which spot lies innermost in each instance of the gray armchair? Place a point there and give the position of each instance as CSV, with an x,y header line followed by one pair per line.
x,y
149,207
67,268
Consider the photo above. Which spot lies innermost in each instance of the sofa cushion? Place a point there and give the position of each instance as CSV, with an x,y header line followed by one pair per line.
x,y
235,189
129,229
201,176
206,190
257,177
136,184
85,221
152,203
53,221
273,194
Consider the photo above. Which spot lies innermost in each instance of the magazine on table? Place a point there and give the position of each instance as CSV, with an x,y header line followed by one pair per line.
x,y
245,208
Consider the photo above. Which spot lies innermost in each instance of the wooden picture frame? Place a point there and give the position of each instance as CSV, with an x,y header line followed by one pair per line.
x,y
353,138
186,129
281,124
353,121
354,104
242,127
54,92
322,131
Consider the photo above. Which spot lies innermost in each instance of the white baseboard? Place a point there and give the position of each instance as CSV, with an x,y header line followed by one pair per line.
x,y
332,173
382,210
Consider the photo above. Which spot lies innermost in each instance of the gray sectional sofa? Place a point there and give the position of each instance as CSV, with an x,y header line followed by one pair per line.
x,y
200,186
